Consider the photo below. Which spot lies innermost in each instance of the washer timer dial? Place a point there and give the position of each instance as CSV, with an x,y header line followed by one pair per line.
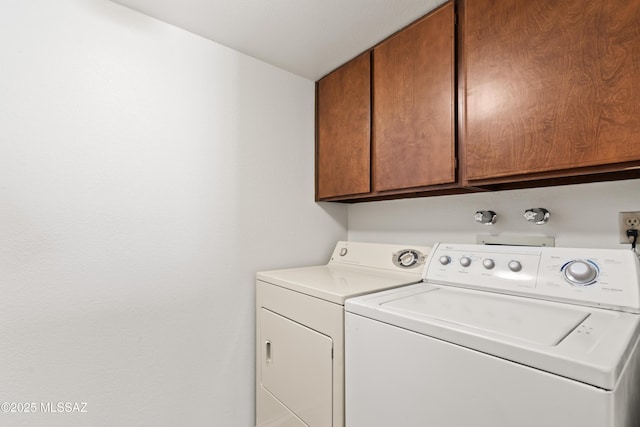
x,y
580,272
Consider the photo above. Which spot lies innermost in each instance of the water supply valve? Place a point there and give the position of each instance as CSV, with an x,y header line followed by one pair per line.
x,y
486,217
538,216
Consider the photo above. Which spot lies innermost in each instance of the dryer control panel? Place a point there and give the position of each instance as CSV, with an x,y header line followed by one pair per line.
x,y
606,278
396,258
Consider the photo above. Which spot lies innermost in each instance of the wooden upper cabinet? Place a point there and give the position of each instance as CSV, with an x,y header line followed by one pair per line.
x,y
549,86
413,105
343,102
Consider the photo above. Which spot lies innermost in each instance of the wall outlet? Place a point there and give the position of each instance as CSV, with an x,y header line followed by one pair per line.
x,y
628,220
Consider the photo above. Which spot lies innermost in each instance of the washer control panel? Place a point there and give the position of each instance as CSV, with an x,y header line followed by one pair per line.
x,y
608,278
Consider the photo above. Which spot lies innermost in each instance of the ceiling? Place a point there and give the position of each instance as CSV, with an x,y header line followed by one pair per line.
x,y
306,37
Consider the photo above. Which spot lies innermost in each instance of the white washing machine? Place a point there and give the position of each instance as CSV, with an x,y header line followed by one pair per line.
x,y
300,329
499,337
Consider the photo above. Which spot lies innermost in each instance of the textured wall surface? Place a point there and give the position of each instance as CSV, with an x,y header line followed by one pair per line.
x,y
584,215
146,174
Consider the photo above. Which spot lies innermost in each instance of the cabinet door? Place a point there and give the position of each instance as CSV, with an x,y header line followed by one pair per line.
x,y
413,105
550,86
343,131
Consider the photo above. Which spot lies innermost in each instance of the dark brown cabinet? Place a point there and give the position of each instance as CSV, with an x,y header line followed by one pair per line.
x,y
392,133
535,93
343,148
551,88
413,107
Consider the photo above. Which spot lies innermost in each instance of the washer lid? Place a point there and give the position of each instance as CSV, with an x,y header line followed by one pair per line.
x,y
522,319
586,344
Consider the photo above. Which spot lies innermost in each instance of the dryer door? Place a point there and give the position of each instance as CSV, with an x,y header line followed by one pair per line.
x,y
297,367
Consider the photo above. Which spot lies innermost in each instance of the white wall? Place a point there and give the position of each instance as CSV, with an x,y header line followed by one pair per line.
x,y
146,174
584,215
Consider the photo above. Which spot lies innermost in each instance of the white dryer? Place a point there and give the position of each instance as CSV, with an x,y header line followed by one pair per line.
x,y
300,329
499,337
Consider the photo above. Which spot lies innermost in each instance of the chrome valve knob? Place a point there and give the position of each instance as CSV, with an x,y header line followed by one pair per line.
x,y
486,217
538,216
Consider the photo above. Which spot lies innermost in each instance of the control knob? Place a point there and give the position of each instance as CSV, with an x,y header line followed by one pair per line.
x,y
465,261
580,272
488,263
444,259
515,266
408,258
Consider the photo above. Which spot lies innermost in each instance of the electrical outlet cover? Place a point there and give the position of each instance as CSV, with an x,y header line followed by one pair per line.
x,y
628,220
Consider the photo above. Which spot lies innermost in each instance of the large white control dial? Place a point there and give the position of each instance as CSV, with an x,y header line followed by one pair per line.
x,y
580,272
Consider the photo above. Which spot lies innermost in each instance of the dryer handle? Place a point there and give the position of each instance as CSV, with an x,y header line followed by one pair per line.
x,y
267,352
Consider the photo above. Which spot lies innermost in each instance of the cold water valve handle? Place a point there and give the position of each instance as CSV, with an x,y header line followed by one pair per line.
x,y
538,216
486,217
